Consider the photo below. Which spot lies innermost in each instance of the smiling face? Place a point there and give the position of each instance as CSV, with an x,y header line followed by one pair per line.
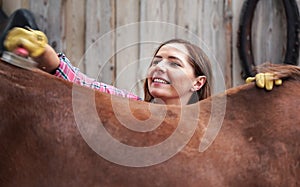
x,y
171,78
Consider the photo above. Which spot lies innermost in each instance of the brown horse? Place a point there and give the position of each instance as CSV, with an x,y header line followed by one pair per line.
x,y
54,133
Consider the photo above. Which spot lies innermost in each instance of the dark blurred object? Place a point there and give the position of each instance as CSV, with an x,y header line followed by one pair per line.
x,y
20,18
3,19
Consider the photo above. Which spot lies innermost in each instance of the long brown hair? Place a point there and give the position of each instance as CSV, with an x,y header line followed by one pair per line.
x,y
201,64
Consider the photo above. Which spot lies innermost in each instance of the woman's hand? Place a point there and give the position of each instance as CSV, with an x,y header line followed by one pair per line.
x,y
36,43
265,80
32,40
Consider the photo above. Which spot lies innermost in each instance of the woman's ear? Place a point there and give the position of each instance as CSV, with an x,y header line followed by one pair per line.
x,y
198,83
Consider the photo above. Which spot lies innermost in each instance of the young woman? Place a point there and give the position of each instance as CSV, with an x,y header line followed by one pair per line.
x,y
179,73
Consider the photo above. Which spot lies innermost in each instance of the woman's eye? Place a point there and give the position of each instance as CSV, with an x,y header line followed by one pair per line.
x,y
175,64
155,62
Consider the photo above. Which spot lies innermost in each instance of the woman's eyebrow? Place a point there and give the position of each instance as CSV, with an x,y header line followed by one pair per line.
x,y
174,58
169,57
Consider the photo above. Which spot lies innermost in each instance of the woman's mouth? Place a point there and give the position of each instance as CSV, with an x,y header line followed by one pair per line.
x,y
160,81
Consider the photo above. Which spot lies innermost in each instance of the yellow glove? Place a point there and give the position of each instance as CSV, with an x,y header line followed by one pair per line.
x,y
265,80
32,40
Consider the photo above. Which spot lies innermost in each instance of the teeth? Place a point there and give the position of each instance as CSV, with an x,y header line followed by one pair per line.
x,y
160,81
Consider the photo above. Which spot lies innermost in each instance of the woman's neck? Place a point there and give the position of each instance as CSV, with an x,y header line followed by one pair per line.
x,y
171,101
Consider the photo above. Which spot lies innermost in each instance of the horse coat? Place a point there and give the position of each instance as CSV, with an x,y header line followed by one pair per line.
x,y
50,136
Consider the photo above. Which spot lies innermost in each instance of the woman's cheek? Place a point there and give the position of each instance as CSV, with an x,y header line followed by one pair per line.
x,y
149,72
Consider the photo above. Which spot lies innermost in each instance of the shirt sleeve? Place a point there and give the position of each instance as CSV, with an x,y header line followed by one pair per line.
x,y
68,72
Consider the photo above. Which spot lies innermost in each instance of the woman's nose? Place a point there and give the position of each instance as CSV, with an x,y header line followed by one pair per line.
x,y
161,66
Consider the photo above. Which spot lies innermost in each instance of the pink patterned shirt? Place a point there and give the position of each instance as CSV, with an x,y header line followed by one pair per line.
x,y
68,72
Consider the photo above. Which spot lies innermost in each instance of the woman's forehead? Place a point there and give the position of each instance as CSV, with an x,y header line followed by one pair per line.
x,y
174,48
